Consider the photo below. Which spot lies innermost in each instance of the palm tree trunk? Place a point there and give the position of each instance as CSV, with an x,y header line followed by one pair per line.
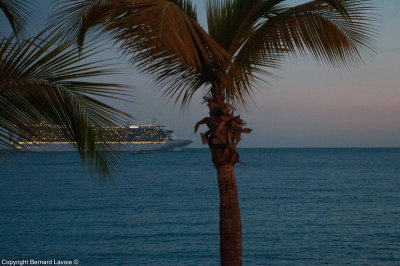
x,y
222,137
230,227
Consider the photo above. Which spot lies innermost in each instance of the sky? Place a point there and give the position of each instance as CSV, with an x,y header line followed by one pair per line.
x,y
309,105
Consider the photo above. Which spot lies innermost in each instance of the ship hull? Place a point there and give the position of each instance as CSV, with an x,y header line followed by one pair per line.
x,y
169,145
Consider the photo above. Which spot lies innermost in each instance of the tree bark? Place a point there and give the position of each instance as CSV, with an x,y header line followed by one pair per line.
x,y
230,227
222,137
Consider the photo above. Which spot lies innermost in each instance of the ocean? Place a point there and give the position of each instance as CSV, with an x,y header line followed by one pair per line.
x,y
298,206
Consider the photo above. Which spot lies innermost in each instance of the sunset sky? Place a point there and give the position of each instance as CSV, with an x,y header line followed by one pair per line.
x,y
310,105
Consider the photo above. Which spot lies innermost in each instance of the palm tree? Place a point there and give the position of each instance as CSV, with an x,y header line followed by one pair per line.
x,y
45,81
245,40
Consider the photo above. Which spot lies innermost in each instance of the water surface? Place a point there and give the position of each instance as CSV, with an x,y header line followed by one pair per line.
x,y
299,207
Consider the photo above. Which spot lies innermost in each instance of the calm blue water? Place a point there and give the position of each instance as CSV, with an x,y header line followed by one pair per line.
x,y
299,206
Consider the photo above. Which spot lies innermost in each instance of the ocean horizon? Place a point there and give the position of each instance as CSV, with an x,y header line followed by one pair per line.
x,y
299,206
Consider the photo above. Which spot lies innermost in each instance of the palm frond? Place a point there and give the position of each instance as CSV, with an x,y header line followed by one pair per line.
x,y
163,40
40,82
228,20
161,37
335,32
73,19
17,13
187,6
231,23
159,29
259,33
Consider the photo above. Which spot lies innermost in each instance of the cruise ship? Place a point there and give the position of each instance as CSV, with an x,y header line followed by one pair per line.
x,y
132,138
